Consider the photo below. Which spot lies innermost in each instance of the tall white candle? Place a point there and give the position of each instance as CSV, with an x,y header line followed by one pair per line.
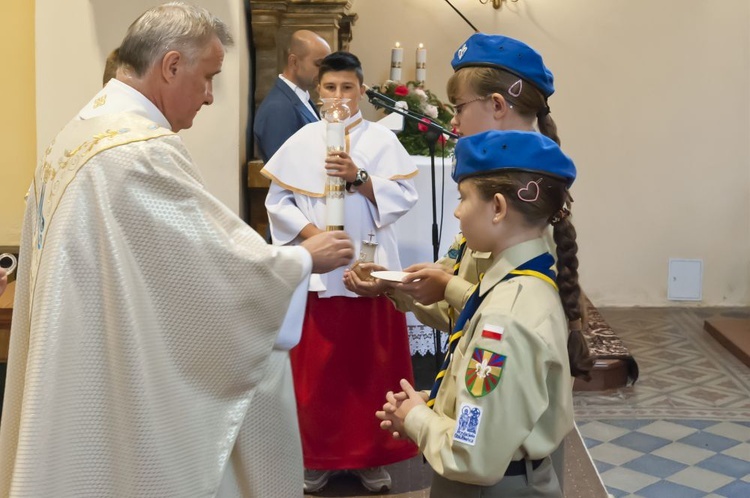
x,y
335,112
397,59
335,136
421,63
335,198
335,186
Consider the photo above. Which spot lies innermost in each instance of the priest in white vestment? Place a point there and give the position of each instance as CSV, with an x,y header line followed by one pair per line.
x,y
147,314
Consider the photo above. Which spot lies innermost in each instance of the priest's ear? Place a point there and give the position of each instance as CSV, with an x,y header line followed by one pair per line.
x,y
170,63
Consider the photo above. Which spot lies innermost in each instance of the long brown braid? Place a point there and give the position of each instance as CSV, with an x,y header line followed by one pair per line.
x,y
551,207
564,234
529,103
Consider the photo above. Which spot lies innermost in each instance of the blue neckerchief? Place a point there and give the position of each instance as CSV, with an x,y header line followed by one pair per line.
x,y
540,267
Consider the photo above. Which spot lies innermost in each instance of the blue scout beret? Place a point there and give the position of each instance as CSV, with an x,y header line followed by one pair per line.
x,y
505,53
512,150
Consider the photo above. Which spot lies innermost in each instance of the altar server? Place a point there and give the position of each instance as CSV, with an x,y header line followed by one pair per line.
x,y
352,347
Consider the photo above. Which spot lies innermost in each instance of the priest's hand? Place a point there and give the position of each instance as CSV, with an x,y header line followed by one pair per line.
x,y
366,288
426,282
3,280
329,250
340,164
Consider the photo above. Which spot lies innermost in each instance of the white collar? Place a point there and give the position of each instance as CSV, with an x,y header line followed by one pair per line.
x,y
116,97
303,95
353,121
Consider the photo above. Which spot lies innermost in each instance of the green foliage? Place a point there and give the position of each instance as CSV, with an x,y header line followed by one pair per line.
x,y
424,102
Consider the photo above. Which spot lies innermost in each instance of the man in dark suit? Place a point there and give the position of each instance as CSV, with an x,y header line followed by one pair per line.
x,y
288,107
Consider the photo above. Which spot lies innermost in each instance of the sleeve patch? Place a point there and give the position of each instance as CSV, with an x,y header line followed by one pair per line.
x,y
467,425
484,372
493,332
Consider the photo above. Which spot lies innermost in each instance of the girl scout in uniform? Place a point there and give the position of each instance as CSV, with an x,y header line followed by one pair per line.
x,y
499,83
504,400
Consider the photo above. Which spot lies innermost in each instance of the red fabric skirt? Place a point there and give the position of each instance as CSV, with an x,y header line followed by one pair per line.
x,y
353,351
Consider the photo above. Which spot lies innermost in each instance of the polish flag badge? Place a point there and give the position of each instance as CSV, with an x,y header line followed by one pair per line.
x,y
493,332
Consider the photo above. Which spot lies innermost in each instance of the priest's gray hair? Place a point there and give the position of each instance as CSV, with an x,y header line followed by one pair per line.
x,y
172,26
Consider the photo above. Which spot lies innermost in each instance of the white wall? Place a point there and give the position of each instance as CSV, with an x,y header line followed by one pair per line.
x,y
17,121
652,102
73,39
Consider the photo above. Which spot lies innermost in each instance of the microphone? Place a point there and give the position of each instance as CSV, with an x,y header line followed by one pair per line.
x,y
373,95
378,100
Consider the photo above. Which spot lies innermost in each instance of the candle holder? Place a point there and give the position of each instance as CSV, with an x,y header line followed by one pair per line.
x,y
335,111
9,262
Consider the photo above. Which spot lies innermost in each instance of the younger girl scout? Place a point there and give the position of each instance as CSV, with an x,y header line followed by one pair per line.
x,y
504,400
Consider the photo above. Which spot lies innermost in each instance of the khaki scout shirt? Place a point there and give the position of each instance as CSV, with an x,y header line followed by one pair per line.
x,y
473,432
457,292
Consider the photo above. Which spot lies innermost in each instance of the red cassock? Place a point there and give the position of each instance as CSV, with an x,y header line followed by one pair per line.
x,y
353,351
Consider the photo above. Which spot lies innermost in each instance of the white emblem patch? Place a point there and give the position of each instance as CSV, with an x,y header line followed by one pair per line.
x,y
462,51
467,426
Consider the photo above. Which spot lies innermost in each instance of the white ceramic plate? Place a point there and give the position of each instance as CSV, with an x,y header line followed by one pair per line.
x,y
392,276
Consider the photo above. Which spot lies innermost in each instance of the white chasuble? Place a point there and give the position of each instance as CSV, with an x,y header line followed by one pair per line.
x,y
297,193
145,315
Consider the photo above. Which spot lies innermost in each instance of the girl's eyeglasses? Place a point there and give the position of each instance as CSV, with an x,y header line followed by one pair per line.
x,y
460,107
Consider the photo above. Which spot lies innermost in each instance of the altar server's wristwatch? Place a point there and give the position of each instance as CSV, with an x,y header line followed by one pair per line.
x,y
362,177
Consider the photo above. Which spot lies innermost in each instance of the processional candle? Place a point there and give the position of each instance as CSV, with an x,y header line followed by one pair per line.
x,y
335,112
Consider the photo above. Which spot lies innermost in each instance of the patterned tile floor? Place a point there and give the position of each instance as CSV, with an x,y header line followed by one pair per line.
x,y
683,430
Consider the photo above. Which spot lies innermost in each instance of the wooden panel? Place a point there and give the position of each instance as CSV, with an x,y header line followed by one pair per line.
x,y
733,334
6,312
256,197
606,374
254,178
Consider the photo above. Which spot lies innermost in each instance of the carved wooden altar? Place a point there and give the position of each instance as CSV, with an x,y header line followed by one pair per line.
x,y
273,22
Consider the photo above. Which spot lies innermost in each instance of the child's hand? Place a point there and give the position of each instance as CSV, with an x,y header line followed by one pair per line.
x,y
392,402
426,282
362,272
366,288
340,164
397,407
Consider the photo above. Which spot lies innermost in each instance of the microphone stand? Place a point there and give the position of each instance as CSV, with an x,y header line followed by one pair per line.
x,y
433,133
